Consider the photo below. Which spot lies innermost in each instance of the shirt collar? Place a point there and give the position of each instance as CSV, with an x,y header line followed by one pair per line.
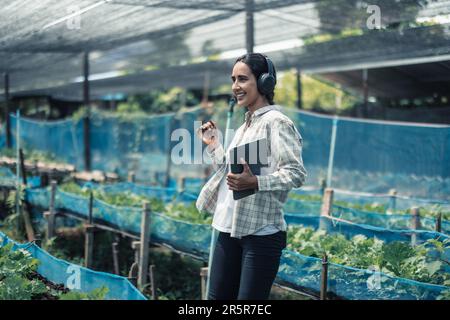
x,y
260,111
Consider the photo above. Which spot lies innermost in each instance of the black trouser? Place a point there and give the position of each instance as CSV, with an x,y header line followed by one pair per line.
x,y
245,268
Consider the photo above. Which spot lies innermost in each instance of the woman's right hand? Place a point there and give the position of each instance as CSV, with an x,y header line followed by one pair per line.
x,y
208,132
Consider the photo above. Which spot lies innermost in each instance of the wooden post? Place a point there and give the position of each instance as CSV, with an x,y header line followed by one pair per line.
x,y
89,236
145,238
365,77
134,270
22,167
392,201
7,119
324,278
415,223
131,177
327,208
88,245
250,26
439,222
181,183
115,252
26,211
91,207
323,186
50,215
299,89
151,270
203,279
327,202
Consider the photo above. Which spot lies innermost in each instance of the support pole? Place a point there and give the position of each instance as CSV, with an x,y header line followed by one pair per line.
x,y
151,271
181,184
439,222
203,281
250,25
145,238
415,223
26,211
115,252
86,121
50,215
131,177
324,278
134,270
392,201
332,148
365,76
323,186
89,236
299,89
327,203
22,167
7,119
326,209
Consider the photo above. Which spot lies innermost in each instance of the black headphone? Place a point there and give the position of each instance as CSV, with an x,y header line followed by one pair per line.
x,y
267,81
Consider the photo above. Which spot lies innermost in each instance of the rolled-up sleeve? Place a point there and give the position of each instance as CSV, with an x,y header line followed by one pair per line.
x,y
286,149
217,156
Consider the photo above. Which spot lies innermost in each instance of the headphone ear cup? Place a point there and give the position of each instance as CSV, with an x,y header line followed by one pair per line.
x,y
266,83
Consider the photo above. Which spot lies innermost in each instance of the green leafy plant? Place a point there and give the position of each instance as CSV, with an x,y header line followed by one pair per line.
x,y
96,294
396,258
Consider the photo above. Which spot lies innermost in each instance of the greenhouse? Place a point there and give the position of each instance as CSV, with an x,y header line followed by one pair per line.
x,y
120,120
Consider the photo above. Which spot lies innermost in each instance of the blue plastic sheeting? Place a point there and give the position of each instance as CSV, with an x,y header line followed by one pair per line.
x,y
296,270
376,156
399,202
62,139
164,229
120,145
332,225
316,133
62,272
387,221
303,207
302,272
370,156
8,179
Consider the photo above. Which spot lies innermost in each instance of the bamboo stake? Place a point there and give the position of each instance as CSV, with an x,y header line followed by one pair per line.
x,y
145,238
324,278
415,224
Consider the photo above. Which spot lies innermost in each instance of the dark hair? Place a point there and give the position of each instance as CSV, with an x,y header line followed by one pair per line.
x,y
258,65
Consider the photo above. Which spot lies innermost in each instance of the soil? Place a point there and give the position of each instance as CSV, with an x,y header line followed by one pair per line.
x,y
48,295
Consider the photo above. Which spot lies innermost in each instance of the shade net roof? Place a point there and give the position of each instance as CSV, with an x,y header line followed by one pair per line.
x,y
136,45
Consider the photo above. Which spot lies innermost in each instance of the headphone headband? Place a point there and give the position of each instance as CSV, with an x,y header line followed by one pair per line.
x,y
269,66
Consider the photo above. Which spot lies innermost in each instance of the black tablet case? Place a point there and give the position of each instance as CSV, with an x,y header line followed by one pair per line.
x,y
255,151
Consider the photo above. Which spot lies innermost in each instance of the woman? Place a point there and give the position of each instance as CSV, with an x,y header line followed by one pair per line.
x,y
252,230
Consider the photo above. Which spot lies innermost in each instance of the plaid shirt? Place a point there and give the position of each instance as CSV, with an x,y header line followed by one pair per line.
x,y
265,207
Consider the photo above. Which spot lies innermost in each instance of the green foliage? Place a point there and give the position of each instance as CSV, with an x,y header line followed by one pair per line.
x,y
156,102
396,258
16,268
31,155
431,211
176,210
96,294
177,276
316,94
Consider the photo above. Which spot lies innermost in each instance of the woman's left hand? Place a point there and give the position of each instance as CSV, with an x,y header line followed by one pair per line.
x,y
242,181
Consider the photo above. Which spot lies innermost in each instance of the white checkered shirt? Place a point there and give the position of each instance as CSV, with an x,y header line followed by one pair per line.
x,y
265,207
